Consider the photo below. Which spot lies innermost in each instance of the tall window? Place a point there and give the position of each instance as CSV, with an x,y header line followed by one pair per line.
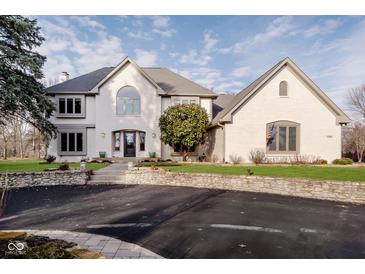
x,y
128,101
282,137
283,88
117,140
72,143
142,141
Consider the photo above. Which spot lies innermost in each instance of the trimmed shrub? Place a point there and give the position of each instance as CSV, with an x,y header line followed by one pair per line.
x,y
320,162
342,161
152,154
50,159
64,166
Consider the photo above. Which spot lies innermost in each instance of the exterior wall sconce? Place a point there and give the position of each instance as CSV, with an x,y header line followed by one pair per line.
x,y
102,135
153,135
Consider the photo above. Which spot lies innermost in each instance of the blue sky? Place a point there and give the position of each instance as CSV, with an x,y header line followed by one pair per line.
x,y
224,53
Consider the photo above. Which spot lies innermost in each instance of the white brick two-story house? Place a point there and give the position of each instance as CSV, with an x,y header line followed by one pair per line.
x,y
115,110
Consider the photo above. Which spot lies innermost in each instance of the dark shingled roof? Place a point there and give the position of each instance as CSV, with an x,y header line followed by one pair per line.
x,y
175,84
221,102
82,83
171,82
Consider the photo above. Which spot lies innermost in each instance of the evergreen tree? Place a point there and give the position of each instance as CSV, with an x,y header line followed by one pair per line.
x,y
22,94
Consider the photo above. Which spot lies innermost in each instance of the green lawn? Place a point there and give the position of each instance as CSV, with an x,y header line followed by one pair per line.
x,y
306,172
35,166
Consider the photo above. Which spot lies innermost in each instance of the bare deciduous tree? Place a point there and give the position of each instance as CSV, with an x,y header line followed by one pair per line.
x,y
354,140
356,98
19,139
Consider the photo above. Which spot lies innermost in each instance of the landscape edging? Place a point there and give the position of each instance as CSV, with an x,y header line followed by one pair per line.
x,y
352,192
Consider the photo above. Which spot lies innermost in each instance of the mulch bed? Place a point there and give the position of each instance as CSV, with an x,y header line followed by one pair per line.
x,y
39,247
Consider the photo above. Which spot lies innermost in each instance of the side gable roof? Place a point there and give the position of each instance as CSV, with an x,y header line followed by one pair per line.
x,y
226,114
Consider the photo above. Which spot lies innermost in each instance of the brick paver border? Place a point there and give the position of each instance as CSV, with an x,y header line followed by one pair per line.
x,y
109,247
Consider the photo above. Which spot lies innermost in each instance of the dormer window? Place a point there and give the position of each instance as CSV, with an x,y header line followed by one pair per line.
x,y
283,89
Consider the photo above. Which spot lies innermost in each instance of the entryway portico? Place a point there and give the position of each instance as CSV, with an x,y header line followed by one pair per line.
x,y
128,143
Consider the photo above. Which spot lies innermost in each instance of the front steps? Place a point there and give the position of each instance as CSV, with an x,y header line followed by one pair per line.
x,y
113,174
121,160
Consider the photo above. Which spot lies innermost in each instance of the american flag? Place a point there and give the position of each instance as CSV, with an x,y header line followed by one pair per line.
x,y
270,136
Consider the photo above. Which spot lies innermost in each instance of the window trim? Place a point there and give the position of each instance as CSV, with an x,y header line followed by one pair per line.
x,y
287,124
126,114
70,115
174,99
280,89
75,131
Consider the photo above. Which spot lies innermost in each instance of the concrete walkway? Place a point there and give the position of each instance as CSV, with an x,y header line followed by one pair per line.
x,y
110,174
109,247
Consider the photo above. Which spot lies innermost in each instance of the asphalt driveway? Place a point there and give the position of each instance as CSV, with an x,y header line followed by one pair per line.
x,y
178,222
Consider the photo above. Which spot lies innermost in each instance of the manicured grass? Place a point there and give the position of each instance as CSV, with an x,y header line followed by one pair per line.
x,y
356,174
36,166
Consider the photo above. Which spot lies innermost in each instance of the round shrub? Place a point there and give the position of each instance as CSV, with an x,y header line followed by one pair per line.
x,y
320,162
342,161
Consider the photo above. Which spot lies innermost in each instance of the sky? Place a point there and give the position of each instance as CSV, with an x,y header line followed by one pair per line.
x,y
223,53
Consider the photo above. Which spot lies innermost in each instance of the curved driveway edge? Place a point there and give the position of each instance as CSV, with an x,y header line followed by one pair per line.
x,y
109,247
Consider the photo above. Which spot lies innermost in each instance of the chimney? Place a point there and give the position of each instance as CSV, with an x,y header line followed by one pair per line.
x,y
63,77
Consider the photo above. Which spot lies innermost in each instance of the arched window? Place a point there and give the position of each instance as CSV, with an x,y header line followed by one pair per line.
x,y
282,137
128,101
283,88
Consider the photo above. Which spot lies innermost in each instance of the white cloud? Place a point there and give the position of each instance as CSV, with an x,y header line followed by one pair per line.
x,y
205,76
327,26
278,27
213,79
160,22
140,35
145,58
203,57
209,42
241,72
164,33
87,21
192,57
69,49
161,26
230,86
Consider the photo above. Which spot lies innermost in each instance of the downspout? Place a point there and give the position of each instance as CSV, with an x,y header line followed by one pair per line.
x,y
224,141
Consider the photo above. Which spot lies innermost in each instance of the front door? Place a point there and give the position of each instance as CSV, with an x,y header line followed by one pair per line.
x,y
129,144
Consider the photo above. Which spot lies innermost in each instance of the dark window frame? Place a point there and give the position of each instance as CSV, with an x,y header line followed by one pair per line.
x,y
75,135
76,102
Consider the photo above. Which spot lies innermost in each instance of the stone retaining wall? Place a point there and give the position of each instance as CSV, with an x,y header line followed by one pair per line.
x,y
28,179
353,192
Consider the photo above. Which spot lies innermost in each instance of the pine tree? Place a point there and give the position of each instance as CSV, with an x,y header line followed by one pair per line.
x,y
22,94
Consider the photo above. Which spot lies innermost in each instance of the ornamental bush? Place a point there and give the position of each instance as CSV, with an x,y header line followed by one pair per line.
x,y
342,161
183,127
